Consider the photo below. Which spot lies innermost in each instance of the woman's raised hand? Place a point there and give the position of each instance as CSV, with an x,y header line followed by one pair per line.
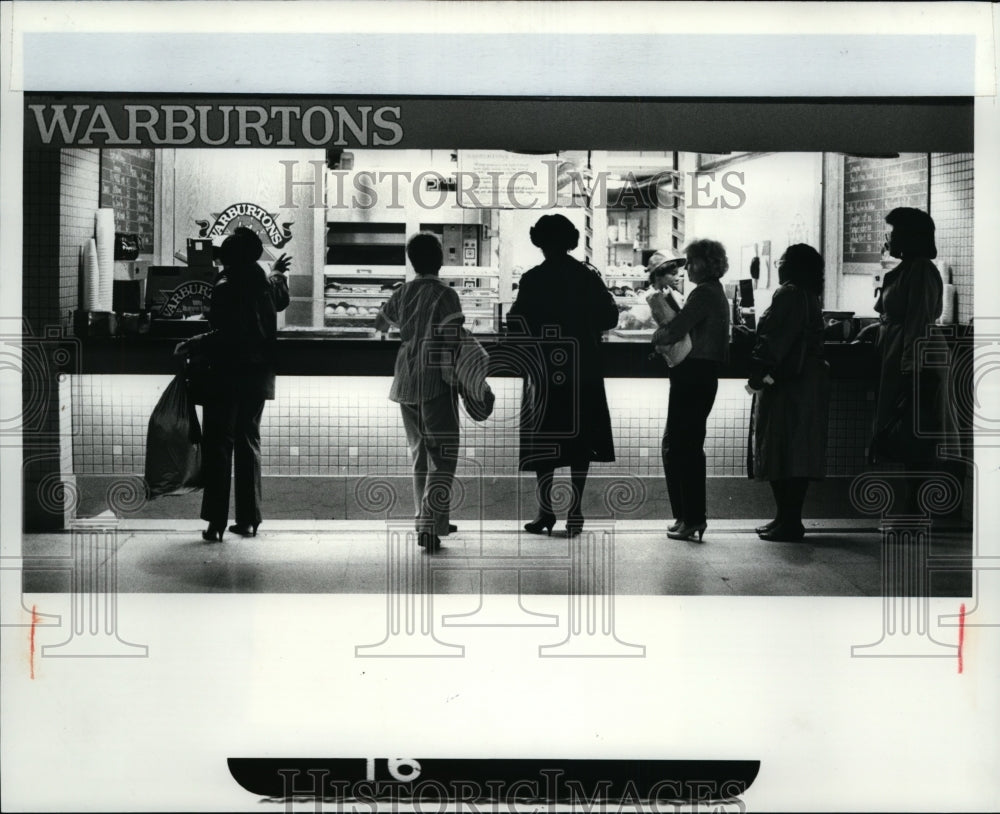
x,y
282,264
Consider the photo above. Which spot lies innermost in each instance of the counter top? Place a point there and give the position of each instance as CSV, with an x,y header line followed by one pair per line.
x,y
302,354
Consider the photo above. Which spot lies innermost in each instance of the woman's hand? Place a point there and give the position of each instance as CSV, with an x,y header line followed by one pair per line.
x,y
282,264
182,348
757,383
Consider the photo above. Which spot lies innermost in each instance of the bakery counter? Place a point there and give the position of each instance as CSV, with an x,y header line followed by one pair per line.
x,y
317,353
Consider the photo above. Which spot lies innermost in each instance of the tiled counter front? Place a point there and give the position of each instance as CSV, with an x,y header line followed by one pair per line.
x,y
325,426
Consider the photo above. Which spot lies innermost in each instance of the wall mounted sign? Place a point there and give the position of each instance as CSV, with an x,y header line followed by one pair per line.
x,y
251,216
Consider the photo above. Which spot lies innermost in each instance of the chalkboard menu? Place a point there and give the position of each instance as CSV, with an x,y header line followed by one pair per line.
x,y
872,188
127,181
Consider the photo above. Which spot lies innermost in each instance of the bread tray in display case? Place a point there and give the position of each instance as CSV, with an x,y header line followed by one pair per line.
x,y
353,295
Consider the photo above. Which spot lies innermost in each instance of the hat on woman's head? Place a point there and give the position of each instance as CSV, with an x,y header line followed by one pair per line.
x,y
663,258
554,232
242,246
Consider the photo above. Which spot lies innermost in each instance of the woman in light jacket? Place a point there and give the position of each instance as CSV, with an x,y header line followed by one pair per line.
x,y
791,382
429,316
693,385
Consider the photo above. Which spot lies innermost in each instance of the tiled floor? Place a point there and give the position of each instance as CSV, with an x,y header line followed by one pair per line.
x,y
837,558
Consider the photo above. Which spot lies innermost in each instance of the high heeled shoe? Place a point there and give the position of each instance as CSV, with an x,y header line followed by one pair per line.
x,y
688,532
213,534
574,525
452,528
677,524
543,524
244,531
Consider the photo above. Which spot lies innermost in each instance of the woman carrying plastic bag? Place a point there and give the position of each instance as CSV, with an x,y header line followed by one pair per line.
x,y
173,443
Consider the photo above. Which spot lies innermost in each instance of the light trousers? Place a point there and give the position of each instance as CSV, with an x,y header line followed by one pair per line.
x,y
432,435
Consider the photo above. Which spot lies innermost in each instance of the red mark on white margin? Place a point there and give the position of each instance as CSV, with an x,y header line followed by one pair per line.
x,y
961,635
34,623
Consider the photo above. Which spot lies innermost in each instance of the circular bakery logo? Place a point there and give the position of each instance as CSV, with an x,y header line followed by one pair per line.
x,y
252,217
190,297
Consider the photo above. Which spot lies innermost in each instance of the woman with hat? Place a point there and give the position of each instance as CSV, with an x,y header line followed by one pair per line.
x,y
241,350
564,410
694,382
666,300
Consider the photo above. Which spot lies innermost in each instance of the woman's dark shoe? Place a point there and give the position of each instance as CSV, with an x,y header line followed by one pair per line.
x,y
574,525
766,527
543,524
213,534
429,541
688,532
784,534
676,525
244,531
452,528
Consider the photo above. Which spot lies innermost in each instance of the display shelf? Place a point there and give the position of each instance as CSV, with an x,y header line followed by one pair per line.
x,y
478,289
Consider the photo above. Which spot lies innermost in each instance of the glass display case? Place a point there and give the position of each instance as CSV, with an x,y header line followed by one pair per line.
x,y
365,262
479,292
353,295
629,285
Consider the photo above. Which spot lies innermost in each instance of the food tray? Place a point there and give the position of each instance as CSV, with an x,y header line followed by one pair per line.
x,y
634,333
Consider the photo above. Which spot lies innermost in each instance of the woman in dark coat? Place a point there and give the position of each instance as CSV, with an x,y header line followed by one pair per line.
x,y
564,409
694,384
791,382
241,349
911,300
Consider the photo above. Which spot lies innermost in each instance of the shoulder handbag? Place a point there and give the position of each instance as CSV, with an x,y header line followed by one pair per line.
x,y
664,309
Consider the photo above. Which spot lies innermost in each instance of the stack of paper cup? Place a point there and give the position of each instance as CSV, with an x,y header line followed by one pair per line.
x,y
91,277
948,305
105,232
947,295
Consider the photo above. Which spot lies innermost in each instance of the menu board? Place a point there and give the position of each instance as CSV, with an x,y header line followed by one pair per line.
x,y
872,188
127,183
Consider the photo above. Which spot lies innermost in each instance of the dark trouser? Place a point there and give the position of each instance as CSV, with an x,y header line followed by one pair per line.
x,y
789,495
693,385
231,431
432,434
578,480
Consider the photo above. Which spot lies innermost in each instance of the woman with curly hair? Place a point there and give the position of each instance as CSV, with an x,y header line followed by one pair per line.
x,y
693,385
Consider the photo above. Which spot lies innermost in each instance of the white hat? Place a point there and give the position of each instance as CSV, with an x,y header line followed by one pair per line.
x,y
663,258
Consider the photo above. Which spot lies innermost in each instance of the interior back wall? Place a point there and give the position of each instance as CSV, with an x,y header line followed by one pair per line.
x,y
198,185
782,205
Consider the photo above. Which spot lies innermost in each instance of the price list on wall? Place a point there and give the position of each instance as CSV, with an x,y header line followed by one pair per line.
x,y
127,184
872,188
